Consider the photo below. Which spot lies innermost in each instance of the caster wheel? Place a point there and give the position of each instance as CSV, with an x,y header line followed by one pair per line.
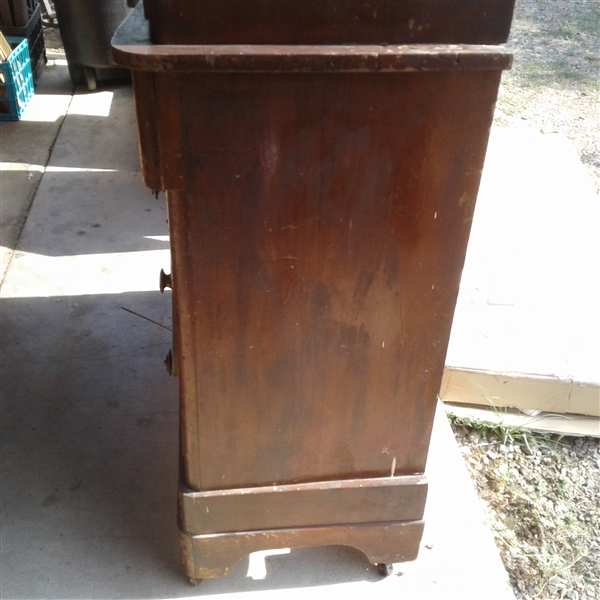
x,y
195,582
385,570
90,78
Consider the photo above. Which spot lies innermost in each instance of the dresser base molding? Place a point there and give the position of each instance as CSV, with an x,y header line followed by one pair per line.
x,y
216,555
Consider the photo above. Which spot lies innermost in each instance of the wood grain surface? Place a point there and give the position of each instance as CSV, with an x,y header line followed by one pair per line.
x,y
329,21
317,251
377,500
210,556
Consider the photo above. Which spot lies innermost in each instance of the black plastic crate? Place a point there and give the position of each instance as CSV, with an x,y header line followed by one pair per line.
x,y
33,31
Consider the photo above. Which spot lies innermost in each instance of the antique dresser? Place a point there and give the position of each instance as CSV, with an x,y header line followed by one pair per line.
x,y
321,161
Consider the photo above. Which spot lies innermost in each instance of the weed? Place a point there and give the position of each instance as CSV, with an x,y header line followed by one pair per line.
x,y
503,433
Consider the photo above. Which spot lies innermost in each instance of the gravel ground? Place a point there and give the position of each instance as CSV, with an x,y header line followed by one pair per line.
x,y
541,498
542,493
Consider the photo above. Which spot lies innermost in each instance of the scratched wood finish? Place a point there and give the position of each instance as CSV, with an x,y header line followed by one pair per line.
x,y
320,200
317,253
329,21
303,505
316,59
211,556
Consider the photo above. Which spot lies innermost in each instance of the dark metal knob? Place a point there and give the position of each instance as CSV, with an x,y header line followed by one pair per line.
x,y
165,281
171,363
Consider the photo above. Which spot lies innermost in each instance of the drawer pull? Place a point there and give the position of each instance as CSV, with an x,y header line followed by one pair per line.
x,y
165,281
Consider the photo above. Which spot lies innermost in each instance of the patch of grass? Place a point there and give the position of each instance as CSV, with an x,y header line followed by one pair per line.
x,y
562,69
556,43
567,19
504,433
563,32
584,21
540,508
533,75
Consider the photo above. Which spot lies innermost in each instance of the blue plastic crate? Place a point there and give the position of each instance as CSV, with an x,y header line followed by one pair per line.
x,y
17,89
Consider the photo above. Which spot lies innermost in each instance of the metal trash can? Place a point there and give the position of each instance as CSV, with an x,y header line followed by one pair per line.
x,y
321,162
86,28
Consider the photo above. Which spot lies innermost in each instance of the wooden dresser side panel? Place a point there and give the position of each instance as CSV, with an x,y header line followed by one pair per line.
x,y
322,234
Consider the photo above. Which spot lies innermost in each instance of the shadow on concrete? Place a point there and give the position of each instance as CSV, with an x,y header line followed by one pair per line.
x,y
89,451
